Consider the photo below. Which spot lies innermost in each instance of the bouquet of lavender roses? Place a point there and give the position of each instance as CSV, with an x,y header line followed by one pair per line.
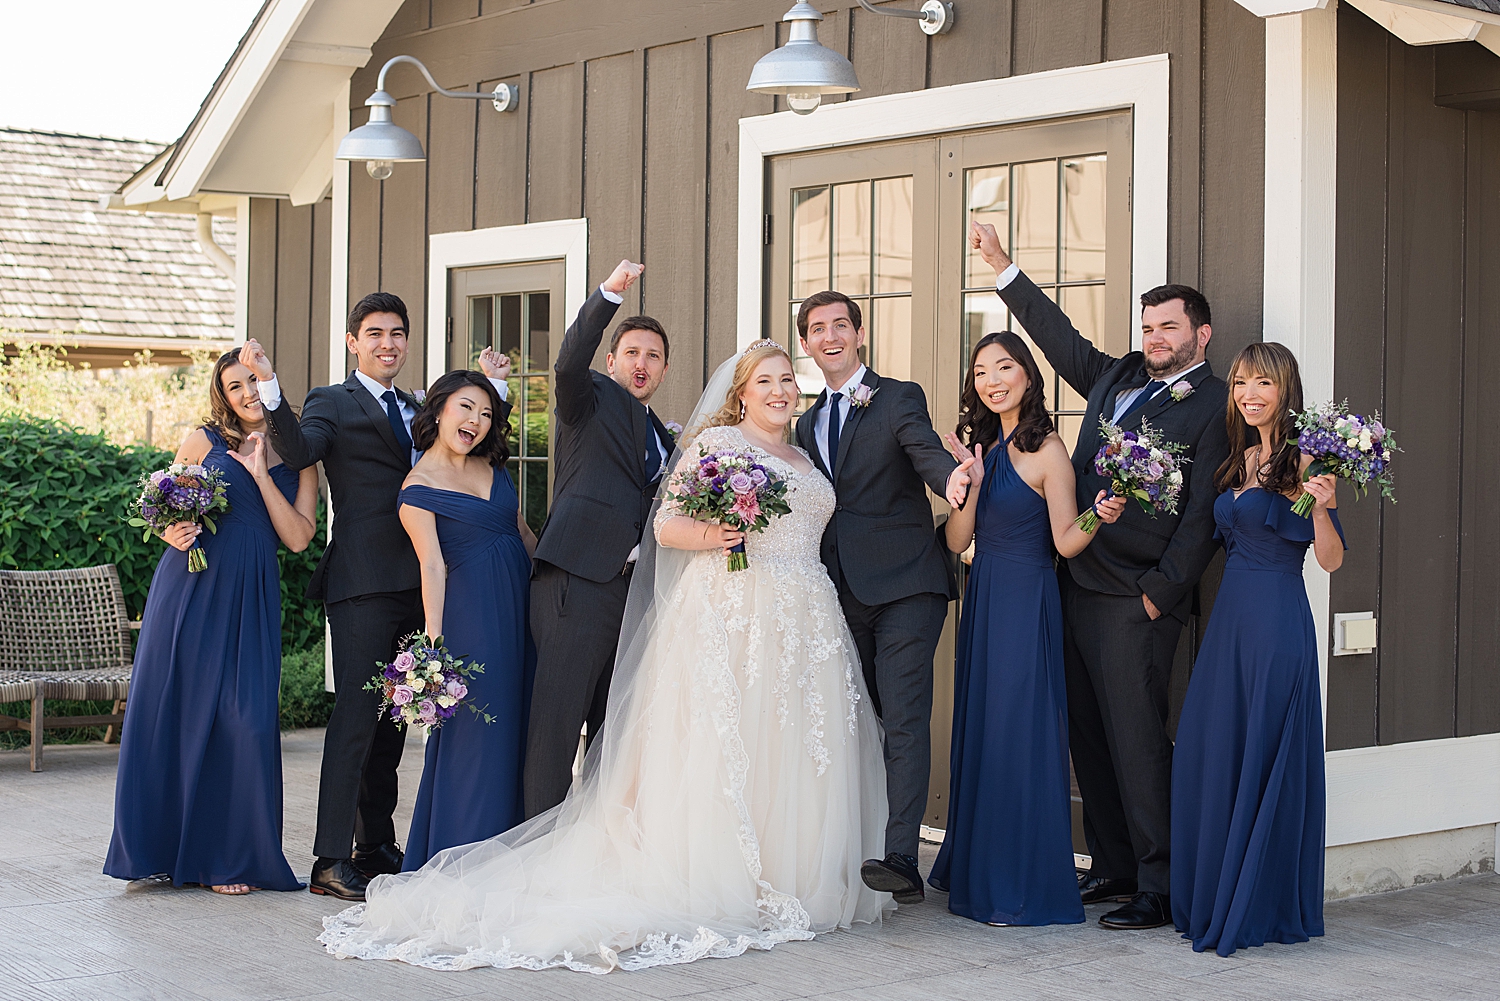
x,y
424,685
181,493
1139,464
734,489
1351,447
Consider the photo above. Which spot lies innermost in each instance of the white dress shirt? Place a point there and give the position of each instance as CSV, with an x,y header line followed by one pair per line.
x,y
663,445
1124,399
270,399
820,422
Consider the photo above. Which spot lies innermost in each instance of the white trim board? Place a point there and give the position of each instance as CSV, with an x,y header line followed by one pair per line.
x,y
567,239
1398,790
1142,85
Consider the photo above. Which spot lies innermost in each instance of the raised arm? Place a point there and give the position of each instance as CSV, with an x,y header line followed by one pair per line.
x,y
1071,354
1192,545
573,388
295,522
300,443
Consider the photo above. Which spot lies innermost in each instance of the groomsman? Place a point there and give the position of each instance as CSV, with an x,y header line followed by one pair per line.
x,y
1127,596
609,454
873,438
368,580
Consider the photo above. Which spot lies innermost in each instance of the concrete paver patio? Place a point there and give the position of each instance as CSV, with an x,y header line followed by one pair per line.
x,y
67,931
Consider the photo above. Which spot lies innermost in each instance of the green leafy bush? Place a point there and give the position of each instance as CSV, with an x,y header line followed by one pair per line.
x,y
303,700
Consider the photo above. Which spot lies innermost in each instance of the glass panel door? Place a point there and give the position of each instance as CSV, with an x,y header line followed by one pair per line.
x,y
517,310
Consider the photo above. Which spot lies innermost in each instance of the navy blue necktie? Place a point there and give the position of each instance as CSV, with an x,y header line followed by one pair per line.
x,y
1151,389
653,453
833,430
398,426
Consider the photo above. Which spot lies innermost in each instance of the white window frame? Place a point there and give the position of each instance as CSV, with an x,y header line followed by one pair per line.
x,y
1142,85
565,239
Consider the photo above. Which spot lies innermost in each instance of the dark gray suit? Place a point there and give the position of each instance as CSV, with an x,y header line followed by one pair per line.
x,y
893,581
370,583
601,498
1118,661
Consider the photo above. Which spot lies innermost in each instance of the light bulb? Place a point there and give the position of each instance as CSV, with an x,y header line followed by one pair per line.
x,y
379,169
804,102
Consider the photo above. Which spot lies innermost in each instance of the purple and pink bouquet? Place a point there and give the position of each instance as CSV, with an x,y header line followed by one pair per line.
x,y
181,493
1139,464
1351,447
734,489
425,685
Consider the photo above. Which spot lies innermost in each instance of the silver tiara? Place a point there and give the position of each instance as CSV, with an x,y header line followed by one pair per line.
x,y
764,342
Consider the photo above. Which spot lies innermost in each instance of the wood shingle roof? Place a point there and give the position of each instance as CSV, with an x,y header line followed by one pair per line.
x,y
69,267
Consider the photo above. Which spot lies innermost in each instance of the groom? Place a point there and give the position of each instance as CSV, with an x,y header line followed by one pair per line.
x,y
608,460
1127,596
368,580
872,437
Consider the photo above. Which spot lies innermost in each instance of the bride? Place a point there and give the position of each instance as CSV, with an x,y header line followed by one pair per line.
x,y
737,785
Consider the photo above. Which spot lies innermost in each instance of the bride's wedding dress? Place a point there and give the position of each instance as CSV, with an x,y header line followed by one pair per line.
x,y
728,804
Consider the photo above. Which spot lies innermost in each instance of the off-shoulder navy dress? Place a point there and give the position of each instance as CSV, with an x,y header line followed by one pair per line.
x,y
198,792
471,774
1247,773
1007,857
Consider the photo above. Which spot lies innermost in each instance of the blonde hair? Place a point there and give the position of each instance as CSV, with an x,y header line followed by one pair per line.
x,y
731,412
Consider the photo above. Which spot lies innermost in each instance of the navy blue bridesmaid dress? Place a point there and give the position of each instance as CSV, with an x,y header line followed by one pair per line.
x,y
1007,856
1248,802
471,774
198,793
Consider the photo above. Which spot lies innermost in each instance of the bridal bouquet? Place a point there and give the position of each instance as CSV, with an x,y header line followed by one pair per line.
x,y
1139,464
181,493
734,489
424,685
1351,447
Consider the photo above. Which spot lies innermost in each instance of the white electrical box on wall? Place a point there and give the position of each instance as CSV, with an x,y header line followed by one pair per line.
x,y
1354,632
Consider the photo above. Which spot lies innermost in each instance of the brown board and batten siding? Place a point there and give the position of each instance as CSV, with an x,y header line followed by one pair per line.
x,y
288,295
1418,336
629,116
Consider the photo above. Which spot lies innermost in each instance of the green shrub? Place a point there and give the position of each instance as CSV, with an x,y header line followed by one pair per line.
x,y
303,700
67,496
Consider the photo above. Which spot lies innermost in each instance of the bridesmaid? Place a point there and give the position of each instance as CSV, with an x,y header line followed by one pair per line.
x,y
1007,857
1247,774
463,517
198,794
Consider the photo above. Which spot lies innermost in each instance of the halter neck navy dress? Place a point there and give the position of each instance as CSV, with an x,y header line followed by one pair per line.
x,y
1007,856
1248,804
471,773
198,793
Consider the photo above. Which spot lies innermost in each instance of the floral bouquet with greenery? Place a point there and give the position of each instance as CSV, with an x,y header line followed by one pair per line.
x,y
1139,464
425,685
734,489
1351,447
182,493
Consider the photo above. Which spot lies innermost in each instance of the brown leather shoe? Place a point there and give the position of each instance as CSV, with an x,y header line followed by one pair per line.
x,y
337,878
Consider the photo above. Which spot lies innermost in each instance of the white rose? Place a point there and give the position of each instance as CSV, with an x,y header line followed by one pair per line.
x,y
434,665
1365,441
1175,478
1156,455
417,684
446,700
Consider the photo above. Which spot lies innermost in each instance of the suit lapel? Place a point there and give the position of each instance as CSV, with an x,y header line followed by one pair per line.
x,y
808,439
1164,400
640,422
377,415
851,425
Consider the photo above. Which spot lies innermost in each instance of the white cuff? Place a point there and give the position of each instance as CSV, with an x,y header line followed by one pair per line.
x,y
635,554
502,387
616,299
270,394
1007,276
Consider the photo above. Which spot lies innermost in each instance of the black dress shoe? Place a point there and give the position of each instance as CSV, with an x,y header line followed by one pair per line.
x,y
1099,890
1145,910
337,878
386,858
895,874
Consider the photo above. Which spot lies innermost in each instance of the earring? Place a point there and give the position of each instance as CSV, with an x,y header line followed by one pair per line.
x,y
742,410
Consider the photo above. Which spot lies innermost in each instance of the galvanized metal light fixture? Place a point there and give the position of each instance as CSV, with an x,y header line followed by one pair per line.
x,y
803,70
381,142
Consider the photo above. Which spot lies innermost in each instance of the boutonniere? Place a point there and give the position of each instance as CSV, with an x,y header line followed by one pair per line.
x,y
1181,390
420,395
673,427
861,396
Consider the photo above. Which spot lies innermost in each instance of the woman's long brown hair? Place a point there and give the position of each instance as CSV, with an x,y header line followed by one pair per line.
x,y
979,425
221,416
1281,473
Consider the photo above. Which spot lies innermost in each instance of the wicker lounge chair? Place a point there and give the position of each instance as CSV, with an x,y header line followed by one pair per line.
x,y
64,634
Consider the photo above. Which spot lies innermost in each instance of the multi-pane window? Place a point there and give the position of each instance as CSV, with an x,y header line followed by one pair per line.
x,y
1050,215
519,325
856,238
